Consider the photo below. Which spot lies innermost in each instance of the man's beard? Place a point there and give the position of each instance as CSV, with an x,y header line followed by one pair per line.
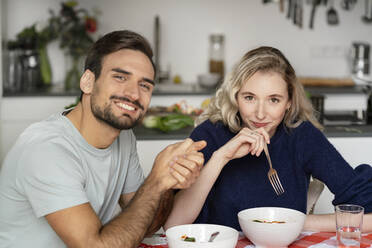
x,y
106,115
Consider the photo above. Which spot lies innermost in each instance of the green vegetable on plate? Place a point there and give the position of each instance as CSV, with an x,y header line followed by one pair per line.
x,y
168,122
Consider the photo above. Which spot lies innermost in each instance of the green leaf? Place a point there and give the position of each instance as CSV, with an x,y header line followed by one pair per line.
x,y
45,69
169,122
151,121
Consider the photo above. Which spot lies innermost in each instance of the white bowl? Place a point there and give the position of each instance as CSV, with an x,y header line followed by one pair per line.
x,y
271,234
208,80
227,238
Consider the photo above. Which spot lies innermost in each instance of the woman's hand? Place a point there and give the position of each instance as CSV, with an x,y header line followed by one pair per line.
x,y
245,142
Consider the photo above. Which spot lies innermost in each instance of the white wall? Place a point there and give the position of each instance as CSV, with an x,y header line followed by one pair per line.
x,y
1,67
186,25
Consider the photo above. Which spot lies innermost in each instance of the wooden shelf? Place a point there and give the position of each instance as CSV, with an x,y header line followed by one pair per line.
x,y
326,82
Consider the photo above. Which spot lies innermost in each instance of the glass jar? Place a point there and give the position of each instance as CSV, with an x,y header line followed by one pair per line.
x,y
216,54
74,70
30,64
12,70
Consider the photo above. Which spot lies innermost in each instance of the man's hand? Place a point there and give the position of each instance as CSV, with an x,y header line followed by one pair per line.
x,y
186,169
178,165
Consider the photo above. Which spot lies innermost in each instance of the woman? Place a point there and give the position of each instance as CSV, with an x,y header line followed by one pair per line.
x,y
262,103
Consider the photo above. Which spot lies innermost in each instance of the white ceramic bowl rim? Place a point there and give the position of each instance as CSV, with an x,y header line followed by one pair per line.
x,y
241,213
229,232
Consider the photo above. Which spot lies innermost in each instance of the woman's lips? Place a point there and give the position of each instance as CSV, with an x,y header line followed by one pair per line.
x,y
258,125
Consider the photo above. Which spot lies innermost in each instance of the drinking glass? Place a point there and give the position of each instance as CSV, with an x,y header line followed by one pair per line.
x,y
349,220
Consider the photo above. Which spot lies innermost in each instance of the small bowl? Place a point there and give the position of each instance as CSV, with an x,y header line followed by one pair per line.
x,y
227,237
208,80
271,234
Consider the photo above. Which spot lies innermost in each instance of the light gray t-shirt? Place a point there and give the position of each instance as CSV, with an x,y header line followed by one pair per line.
x,y
52,167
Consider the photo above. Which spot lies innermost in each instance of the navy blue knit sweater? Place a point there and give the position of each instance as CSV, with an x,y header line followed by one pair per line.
x,y
296,154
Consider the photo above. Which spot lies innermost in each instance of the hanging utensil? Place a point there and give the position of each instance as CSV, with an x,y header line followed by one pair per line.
x,y
315,4
281,6
289,10
332,16
367,18
294,11
299,13
348,4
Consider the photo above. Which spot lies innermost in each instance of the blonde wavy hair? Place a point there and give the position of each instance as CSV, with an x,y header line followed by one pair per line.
x,y
224,107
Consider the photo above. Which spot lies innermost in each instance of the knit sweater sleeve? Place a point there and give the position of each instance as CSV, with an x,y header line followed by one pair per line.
x,y
324,162
215,134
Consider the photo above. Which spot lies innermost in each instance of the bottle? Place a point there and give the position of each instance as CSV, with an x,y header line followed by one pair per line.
x,y
216,54
30,64
13,70
360,58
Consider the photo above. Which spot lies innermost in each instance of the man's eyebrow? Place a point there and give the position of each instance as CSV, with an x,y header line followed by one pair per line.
x,y
149,81
129,73
121,71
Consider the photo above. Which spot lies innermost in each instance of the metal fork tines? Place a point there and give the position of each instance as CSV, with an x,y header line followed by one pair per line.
x,y
273,175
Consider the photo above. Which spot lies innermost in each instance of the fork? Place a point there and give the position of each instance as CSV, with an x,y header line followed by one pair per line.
x,y
273,175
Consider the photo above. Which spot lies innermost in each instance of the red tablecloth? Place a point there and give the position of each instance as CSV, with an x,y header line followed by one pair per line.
x,y
306,239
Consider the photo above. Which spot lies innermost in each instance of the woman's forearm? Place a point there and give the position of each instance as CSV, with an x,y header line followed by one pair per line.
x,y
327,223
188,202
320,223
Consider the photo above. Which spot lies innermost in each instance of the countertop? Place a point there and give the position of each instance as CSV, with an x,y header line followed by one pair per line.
x,y
143,133
167,89
356,89
161,89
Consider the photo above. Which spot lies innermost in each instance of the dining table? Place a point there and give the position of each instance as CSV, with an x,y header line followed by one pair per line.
x,y
304,240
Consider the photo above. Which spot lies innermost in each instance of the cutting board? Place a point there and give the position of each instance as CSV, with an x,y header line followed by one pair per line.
x,y
326,82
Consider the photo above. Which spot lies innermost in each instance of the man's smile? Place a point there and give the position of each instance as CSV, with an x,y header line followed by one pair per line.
x,y
125,106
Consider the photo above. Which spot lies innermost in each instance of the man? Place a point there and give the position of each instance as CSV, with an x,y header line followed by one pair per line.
x,y
61,182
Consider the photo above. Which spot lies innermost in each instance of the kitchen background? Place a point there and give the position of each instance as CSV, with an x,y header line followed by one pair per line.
x,y
185,27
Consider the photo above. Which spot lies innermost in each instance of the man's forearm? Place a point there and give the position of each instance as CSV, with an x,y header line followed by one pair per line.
x,y
163,211
129,228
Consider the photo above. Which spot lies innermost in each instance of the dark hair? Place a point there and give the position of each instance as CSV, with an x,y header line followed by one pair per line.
x,y
112,42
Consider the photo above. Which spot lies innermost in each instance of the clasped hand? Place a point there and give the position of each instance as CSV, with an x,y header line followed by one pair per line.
x,y
178,165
